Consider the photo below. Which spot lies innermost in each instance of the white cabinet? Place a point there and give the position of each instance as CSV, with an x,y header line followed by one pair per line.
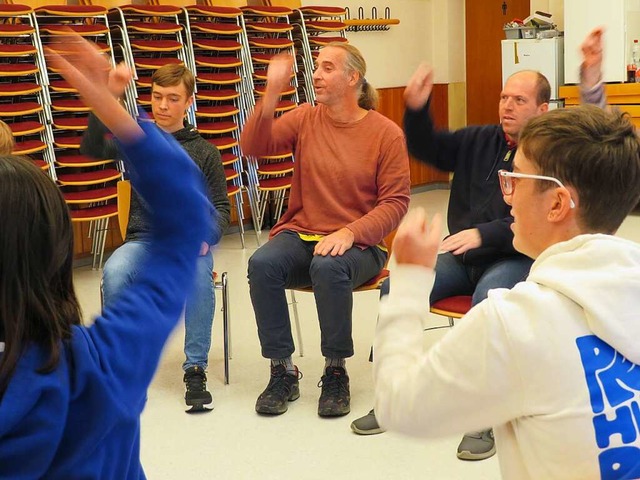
x,y
621,19
545,56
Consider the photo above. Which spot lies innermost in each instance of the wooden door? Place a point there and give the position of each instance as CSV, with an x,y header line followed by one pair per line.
x,y
484,20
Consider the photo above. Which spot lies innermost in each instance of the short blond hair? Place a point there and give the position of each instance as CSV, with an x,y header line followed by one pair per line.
x,y
7,143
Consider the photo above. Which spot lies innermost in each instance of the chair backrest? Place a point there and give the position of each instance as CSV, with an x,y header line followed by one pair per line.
x,y
124,204
388,240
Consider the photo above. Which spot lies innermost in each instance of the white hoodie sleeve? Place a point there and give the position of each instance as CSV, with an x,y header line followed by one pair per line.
x,y
467,381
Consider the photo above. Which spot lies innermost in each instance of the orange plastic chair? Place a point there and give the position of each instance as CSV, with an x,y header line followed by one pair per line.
x,y
220,282
452,307
374,284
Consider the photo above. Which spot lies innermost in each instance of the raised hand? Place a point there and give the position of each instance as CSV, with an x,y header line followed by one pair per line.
x,y
416,243
89,72
419,87
279,73
592,46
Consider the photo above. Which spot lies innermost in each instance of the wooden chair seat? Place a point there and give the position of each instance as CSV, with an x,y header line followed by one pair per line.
x,y
14,10
215,11
29,147
217,94
154,27
223,143
91,195
28,127
217,128
322,11
21,108
156,45
217,45
263,42
217,111
80,161
222,78
218,61
18,88
155,63
89,178
274,183
452,307
151,10
275,168
17,69
83,30
228,158
71,10
71,123
17,49
216,28
93,213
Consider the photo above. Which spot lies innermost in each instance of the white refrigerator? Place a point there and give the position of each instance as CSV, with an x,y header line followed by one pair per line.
x,y
544,55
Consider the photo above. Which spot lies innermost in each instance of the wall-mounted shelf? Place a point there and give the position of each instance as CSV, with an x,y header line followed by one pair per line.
x,y
370,24
373,24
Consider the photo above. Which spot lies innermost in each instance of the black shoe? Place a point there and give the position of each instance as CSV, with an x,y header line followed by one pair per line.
x,y
335,397
197,395
283,387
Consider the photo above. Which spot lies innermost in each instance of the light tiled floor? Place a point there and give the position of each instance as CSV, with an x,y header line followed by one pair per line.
x,y
233,442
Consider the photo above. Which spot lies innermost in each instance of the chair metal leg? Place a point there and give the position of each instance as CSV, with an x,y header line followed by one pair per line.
x,y
296,319
225,326
451,323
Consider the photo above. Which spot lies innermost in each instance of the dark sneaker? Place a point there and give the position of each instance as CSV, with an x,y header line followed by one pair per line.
x,y
335,398
283,387
367,425
196,395
477,445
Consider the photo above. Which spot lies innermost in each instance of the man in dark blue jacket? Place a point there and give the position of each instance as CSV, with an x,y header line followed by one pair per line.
x,y
478,253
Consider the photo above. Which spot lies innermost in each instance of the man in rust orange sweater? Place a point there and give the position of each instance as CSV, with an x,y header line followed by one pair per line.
x,y
350,189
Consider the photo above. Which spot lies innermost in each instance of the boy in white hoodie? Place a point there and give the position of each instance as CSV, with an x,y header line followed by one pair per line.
x,y
551,364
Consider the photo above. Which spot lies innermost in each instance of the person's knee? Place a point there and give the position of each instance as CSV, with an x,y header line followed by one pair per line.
x,y
116,272
262,265
326,270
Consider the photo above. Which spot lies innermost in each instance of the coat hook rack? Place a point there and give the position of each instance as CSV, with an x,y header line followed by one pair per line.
x,y
373,24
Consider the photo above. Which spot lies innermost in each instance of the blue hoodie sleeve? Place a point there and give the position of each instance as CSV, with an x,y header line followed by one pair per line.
x,y
128,338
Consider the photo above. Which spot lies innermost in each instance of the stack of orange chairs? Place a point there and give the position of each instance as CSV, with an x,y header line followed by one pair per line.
x,y
220,52
23,98
88,184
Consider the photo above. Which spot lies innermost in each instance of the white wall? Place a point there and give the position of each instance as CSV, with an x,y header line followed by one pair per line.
x,y
554,7
429,30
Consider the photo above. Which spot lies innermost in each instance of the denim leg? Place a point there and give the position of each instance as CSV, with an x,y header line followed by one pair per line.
x,y
198,315
121,268
501,274
283,262
333,280
452,278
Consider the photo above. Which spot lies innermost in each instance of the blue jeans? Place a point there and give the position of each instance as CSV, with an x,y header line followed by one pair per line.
x,y
286,261
122,267
455,278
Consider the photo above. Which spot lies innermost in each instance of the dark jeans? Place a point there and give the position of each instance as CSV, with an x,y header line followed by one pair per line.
x,y
285,262
455,278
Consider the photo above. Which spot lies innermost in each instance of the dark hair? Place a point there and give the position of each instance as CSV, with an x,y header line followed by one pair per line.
x,y
173,74
38,304
355,62
595,151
